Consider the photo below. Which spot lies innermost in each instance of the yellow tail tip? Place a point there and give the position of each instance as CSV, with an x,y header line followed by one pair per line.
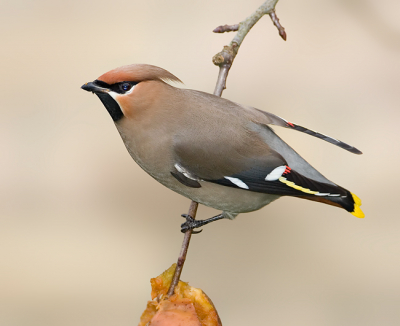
x,y
358,212
357,200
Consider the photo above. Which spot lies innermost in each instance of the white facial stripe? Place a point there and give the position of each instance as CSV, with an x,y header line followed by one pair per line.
x,y
237,182
276,173
130,91
115,94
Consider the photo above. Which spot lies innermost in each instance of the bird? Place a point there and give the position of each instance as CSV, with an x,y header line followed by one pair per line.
x,y
209,149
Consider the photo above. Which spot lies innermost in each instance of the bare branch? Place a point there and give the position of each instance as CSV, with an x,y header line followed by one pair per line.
x,y
182,256
226,28
224,59
280,28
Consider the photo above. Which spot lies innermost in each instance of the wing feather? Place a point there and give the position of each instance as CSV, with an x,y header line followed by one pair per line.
x,y
278,121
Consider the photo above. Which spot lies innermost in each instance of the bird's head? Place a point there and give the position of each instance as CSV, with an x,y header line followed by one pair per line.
x,y
118,88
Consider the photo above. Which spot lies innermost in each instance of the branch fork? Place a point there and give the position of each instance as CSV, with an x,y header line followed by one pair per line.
x,y
224,59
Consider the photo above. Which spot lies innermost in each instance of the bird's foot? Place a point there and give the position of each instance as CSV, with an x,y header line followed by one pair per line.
x,y
190,224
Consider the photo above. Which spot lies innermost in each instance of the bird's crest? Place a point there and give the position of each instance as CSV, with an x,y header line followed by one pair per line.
x,y
137,73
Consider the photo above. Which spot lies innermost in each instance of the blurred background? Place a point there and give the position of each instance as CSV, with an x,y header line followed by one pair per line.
x,y
83,228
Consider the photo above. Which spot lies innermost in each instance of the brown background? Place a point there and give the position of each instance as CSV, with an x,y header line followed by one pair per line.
x,y
82,228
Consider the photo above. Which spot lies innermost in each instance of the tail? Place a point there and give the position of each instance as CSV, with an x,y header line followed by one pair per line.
x,y
350,202
284,181
326,193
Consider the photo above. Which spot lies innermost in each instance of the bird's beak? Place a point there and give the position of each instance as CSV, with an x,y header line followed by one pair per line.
x,y
94,88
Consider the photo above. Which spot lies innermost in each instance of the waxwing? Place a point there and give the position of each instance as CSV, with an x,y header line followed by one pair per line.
x,y
214,151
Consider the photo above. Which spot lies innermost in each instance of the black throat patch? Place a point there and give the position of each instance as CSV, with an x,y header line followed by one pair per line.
x,y
111,105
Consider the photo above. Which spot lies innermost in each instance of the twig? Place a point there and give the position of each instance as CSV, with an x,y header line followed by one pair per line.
x,y
226,28
224,60
182,256
280,28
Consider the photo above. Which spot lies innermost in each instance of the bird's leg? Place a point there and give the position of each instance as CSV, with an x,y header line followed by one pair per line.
x,y
191,223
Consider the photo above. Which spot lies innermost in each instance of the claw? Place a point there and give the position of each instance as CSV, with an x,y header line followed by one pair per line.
x,y
190,224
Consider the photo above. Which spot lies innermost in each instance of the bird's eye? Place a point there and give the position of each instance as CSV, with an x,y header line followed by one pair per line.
x,y
126,87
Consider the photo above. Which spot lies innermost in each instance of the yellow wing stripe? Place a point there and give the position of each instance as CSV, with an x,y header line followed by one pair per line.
x,y
295,186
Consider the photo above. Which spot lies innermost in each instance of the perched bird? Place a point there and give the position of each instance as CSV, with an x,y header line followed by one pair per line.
x,y
209,149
